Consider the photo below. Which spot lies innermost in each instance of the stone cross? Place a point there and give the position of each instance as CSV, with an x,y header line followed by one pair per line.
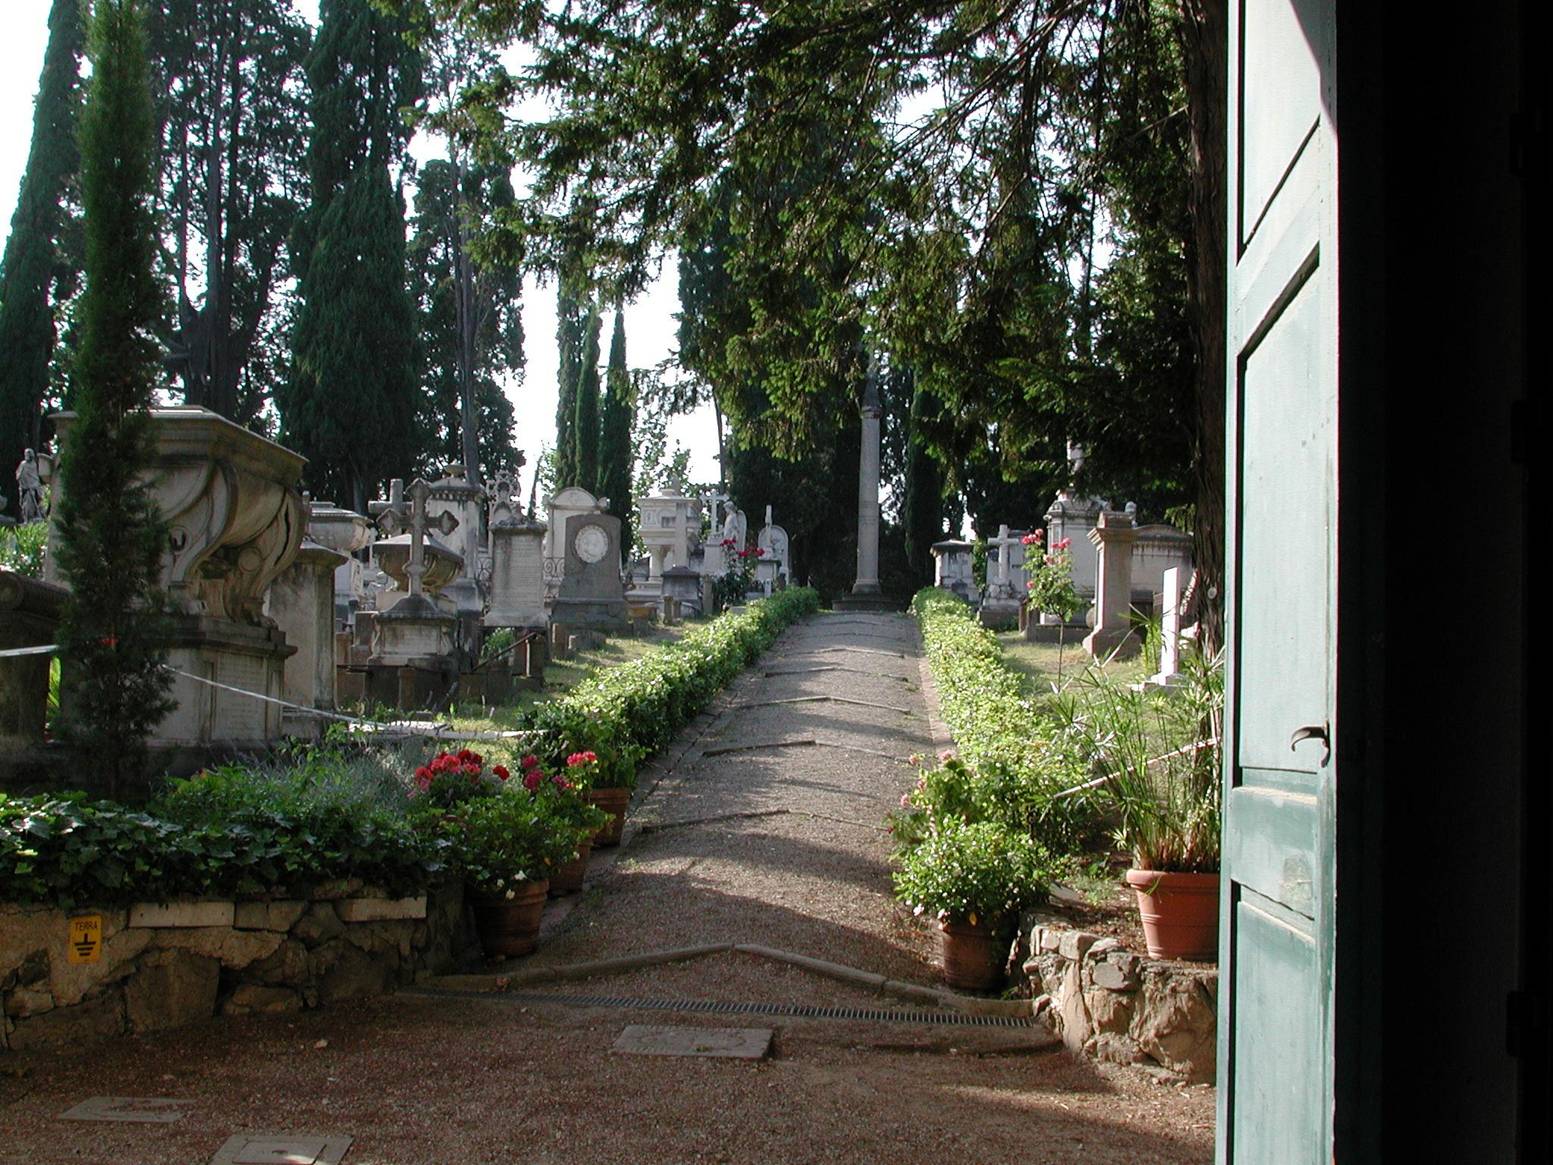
x,y
1005,542
396,517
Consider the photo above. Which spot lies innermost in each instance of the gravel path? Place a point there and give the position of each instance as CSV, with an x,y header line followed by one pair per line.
x,y
762,826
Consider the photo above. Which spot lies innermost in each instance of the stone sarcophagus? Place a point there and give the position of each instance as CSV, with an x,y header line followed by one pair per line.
x,y
235,520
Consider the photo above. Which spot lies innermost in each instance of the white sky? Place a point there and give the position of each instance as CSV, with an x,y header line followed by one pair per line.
x,y
650,324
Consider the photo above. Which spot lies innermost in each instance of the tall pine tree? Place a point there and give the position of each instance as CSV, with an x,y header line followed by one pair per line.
x,y
352,399
110,530
37,272
616,453
585,418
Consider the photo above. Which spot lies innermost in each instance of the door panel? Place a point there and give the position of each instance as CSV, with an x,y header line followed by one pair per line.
x,y
1277,915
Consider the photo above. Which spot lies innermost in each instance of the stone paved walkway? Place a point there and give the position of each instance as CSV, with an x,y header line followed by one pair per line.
x,y
763,825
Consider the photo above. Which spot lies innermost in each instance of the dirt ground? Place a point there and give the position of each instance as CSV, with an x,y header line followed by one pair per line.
x,y
765,829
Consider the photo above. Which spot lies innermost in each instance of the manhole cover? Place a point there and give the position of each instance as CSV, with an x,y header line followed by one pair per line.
x,y
156,1110
739,1043
280,1149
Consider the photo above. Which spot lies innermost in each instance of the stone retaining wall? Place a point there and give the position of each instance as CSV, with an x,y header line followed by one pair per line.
x,y
1114,1005
161,965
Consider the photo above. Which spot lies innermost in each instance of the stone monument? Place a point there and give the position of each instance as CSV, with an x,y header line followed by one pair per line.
x,y
1005,582
1170,609
414,647
773,571
29,488
669,525
516,586
953,569
571,500
1113,536
866,593
235,521
301,602
591,594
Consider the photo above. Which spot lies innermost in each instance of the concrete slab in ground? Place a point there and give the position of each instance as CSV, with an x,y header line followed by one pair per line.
x,y
733,1043
281,1149
155,1110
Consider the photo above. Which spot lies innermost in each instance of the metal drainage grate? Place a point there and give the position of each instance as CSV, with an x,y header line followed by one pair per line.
x,y
721,1007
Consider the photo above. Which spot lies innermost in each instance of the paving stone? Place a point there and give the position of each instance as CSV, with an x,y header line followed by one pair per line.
x,y
157,1110
281,1149
739,1043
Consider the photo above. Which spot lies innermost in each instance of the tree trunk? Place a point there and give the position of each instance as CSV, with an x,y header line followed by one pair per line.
x,y
463,272
1204,27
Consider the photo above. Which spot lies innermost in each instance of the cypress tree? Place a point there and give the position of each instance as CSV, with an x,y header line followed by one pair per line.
x,y
572,312
615,451
110,530
353,397
34,264
585,420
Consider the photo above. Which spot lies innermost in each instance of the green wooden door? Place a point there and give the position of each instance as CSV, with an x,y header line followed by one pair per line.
x,y
1275,1014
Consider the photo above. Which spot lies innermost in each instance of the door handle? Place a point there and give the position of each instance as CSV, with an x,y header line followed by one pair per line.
x,y
1313,732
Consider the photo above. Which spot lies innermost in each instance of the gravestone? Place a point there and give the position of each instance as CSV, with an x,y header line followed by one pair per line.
x,y
235,521
1171,601
1113,537
953,569
683,585
517,577
591,593
1158,548
1073,517
560,509
773,571
1000,605
453,493
414,641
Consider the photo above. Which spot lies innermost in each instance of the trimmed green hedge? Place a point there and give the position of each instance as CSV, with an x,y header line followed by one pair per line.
x,y
626,714
1008,740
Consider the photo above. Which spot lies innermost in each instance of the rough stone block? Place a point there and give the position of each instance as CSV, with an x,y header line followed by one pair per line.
x,y
286,965
1109,1011
1104,946
1074,943
171,988
381,909
339,888
253,999
25,1001
1114,974
91,1020
235,948
353,974
281,916
318,925
182,914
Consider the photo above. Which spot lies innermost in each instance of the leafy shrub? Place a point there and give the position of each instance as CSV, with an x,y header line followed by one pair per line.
x,y
977,871
627,713
1009,741
22,547
507,838
1158,756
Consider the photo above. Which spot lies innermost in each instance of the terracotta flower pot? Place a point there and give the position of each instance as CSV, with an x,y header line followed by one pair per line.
x,y
510,926
613,802
973,954
567,879
1180,913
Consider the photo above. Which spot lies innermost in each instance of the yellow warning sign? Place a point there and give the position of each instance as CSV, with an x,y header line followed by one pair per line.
x,y
86,938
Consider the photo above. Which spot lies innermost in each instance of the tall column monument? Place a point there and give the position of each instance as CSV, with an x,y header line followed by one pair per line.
x,y
866,592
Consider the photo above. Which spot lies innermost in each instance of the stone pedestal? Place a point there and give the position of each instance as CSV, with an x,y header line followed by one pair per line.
x,y
683,584
301,602
1113,537
235,521
245,657
345,532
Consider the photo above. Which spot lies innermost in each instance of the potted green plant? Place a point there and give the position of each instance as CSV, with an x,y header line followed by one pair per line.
x,y
601,789
974,878
1157,757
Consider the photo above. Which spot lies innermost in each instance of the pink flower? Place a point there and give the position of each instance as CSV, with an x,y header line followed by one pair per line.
x,y
946,756
581,758
1062,543
1033,539
533,779
530,761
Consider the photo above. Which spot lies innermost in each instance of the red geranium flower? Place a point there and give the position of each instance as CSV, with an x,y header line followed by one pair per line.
x,y
501,771
533,779
530,761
